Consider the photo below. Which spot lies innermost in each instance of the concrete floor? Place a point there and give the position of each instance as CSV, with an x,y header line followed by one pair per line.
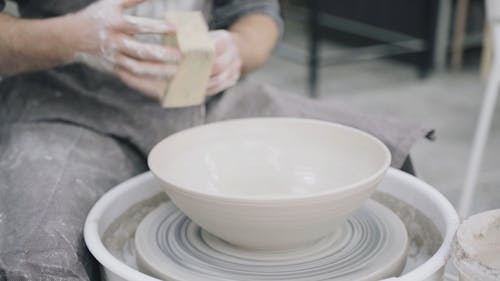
x,y
448,102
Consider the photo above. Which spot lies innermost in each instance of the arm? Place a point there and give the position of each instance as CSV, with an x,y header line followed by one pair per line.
x,y
255,35
245,47
27,45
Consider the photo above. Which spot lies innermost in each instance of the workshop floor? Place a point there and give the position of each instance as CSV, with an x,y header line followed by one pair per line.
x,y
448,102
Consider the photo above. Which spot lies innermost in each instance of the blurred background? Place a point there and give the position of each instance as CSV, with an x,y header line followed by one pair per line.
x,y
420,61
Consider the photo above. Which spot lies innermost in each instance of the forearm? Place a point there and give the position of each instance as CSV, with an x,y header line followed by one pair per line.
x,y
28,45
256,35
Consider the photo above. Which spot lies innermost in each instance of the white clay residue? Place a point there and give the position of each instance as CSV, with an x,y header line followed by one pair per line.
x,y
477,246
150,51
425,239
148,25
109,28
119,236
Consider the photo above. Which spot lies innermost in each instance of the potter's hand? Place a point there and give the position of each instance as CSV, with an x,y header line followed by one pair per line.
x,y
227,64
108,43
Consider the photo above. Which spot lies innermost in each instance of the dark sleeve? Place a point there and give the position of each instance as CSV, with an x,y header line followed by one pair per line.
x,y
227,12
2,5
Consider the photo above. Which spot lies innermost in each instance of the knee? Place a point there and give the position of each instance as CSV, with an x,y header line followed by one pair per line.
x,y
43,204
27,148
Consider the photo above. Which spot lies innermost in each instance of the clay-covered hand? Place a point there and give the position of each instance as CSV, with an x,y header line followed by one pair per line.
x,y
108,43
227,64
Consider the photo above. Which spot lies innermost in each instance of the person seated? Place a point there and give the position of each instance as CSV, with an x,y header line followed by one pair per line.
x,y
79,112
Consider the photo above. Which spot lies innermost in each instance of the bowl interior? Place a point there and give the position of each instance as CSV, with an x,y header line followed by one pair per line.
x,y
268,157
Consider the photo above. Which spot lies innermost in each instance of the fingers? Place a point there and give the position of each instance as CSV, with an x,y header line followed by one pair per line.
x,y
227,66
221,77
233,79
150,87
225,73
135,25
224,80
226,51
146,69
223,60
146,51
221,39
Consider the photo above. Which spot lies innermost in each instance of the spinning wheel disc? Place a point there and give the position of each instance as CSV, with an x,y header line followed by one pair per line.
x,y
370,245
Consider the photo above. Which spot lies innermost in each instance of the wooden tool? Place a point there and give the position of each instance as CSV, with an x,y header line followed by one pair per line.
x,y
188,86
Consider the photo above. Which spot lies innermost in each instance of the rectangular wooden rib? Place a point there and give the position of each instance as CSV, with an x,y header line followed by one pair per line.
x,y
188,86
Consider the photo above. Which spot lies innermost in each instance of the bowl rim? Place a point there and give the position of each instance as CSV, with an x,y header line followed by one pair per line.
x,y
207,195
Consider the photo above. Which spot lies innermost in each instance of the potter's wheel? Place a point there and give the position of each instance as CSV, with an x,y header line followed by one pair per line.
x,y
429,218
369,245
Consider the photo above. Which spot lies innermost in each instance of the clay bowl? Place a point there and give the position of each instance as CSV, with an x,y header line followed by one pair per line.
x,y
269,183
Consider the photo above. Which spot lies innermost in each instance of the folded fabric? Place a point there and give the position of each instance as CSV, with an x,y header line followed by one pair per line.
x,y
255,100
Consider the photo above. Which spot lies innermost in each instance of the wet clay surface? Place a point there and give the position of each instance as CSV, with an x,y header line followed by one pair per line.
x,y
424,237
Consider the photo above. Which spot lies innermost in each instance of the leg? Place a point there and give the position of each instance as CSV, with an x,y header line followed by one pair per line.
x,y
487,52
250,100
314,38
426,58
442,34
457,46
408,167
50,176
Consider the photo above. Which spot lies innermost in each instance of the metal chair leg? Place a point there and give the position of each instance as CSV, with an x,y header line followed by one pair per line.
x,y
457,45
313,48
